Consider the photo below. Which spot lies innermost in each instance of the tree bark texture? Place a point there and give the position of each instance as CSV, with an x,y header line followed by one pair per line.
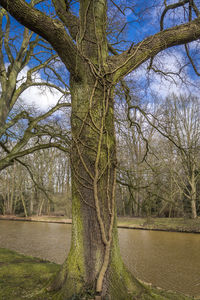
x,y
94,265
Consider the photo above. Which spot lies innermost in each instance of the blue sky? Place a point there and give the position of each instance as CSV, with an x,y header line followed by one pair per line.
x,y
171,60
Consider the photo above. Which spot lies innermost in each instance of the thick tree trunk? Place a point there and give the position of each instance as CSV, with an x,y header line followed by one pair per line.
x,y
193,195
4,110
94,266
193,205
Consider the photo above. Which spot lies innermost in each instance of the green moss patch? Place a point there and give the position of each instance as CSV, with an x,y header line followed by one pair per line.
x,y
23,277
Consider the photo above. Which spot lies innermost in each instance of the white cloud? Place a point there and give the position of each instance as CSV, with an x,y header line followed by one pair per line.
x,y
163,88
169,62
41,98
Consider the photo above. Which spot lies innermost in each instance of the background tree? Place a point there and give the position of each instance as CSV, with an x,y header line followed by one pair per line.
x,y
39,184
182,119
134,138
21,60
173,153
26,134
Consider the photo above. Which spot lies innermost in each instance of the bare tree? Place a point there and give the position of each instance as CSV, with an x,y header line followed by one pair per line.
x,y
17,54
39,184
79,36
35,135
182,119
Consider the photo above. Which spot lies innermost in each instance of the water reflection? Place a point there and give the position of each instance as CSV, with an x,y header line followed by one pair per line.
x,y
166,259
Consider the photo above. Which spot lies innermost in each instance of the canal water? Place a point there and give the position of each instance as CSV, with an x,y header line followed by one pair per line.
x,y
166,259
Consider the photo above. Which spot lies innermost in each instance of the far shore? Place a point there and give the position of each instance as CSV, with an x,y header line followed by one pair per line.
x,y
150,223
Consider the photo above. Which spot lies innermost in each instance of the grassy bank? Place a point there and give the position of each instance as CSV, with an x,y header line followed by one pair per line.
x,y
23,277
164,224
49,219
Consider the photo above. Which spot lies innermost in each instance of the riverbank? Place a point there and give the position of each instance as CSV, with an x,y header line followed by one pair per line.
x,y
23,277
161,224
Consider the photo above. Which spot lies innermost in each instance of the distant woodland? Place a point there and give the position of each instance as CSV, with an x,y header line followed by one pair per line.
x,y
158,170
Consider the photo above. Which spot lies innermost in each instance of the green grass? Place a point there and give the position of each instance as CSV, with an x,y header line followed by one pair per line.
x,y
168,224
22,277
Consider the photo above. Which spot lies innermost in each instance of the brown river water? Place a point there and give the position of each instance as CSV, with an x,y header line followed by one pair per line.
x,y
166,259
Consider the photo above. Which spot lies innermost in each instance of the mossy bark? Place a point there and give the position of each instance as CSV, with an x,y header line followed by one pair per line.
x,y
94,265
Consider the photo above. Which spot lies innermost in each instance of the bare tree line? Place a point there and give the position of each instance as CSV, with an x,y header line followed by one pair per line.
x,y
42,189
165,181
162,182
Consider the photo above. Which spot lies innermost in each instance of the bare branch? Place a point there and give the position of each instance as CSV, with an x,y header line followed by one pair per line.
x,y
51,30
191,60
121,11
128,61
171,6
